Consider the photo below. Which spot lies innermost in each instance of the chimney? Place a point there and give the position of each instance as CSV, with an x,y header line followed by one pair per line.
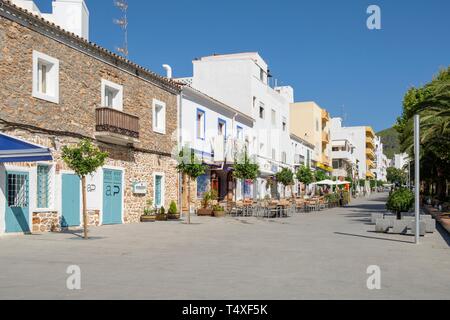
x,y
71,15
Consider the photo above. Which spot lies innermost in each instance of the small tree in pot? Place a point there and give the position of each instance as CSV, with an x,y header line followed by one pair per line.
x,y
400,201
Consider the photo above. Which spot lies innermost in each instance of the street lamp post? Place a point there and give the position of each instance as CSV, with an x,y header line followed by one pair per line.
x,y
417,175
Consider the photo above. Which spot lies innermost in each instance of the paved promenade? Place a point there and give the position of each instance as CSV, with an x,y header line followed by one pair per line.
x,y
310,256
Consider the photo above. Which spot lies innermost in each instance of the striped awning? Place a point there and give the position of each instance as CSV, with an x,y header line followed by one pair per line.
x,y
16,150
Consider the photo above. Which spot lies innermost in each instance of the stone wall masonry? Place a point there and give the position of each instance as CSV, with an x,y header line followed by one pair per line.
x,y
80,89
138,166
47,221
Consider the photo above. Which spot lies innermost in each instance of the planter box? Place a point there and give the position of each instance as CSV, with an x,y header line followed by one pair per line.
x,y
204,212
175,216
148,218
219,214
161,217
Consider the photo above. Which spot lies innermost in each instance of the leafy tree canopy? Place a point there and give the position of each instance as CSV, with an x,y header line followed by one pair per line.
x,y
305,175
285,177
84,158
245,169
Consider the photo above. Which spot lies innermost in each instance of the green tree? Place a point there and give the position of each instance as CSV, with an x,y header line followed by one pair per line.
x,y
84,159
245,168
305,175
400,201
396,176
286,178
432,103
319,175
192,168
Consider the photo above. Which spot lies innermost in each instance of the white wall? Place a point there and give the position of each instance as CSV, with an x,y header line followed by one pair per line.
x,y
213,112
235,80
71,15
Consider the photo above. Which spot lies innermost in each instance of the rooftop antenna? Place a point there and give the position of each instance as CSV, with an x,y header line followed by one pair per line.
x,y
122,5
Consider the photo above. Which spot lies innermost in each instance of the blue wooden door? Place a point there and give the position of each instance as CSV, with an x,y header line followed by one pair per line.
x,y
112,196
17,217
71,201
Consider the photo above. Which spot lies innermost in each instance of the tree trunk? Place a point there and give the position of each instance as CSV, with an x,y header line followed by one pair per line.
x,y
189,201
85,222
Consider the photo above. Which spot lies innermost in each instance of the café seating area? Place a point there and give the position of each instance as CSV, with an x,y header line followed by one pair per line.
x,y
283,208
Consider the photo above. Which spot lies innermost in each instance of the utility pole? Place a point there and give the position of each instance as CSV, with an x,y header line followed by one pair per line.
x,y
417,175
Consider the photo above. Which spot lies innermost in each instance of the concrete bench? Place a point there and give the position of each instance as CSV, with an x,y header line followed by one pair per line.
x,y
400,227
382,225
422,228
376,216
430,223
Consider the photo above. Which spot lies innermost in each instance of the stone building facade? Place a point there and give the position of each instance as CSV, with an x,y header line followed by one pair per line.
x,y
84,72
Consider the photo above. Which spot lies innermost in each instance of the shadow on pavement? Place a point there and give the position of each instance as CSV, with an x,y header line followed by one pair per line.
x,y
444,234
372,238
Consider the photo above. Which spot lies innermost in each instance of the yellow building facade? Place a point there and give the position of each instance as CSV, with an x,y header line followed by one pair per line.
x,y
312,123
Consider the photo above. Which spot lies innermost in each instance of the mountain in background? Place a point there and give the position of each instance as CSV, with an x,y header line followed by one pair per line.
x,y
391,142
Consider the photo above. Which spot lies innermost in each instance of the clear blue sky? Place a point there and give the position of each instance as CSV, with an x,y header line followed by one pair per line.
x,y
322,47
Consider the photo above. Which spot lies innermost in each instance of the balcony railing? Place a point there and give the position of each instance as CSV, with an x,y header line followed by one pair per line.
x,y
117,122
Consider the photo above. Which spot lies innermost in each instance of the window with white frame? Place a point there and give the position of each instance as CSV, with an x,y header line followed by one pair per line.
x,y
274,117
284,124
274,154
159,117
44,179
45,77
240,133
112,95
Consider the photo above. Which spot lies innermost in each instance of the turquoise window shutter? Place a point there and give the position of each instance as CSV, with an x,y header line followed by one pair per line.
x,y
158,190
43,186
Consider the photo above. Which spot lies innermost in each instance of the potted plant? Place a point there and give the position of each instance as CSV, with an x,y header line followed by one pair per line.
x,y
173,213
218,211
206,209
161,215
400,201
149,212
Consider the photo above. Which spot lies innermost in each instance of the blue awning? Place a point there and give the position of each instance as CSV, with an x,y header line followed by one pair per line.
x,y
17,150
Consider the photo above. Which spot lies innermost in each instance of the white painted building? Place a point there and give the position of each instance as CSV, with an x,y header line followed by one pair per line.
x,y
70,15
214,131
401,161
344,160
242,81
381,161
361,138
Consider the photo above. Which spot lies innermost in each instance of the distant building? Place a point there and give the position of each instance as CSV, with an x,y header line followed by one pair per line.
x,y
381,161
344,161
401,161
362,139
312,123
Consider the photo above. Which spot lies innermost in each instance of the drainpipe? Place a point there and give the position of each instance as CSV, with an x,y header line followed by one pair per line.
x,y
179,146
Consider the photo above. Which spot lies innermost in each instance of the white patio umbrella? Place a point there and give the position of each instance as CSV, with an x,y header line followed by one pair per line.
x,y
326,183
